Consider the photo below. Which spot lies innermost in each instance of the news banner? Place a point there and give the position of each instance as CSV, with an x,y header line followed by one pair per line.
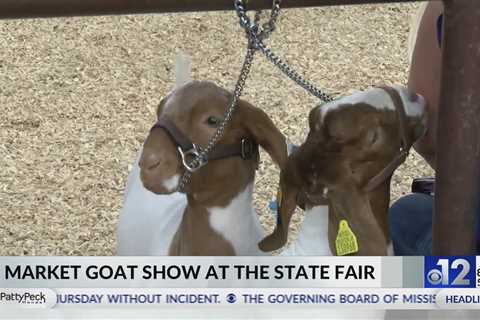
x,y
420,283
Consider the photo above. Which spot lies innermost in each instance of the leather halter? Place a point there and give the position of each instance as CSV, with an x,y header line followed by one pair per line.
x,y
405,143
246,149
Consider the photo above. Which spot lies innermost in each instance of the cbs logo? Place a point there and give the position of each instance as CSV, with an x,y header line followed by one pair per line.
x,y
450,274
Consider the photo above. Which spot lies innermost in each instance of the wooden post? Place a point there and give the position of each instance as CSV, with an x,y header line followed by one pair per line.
x,y
458,152
11,9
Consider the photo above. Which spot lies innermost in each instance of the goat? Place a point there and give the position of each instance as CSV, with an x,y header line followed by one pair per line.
x,y
215,215
351,151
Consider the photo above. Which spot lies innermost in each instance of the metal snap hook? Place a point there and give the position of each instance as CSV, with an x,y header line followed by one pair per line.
x,y
192,159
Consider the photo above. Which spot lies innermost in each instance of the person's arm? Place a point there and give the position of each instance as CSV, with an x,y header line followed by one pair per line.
x,y
425,76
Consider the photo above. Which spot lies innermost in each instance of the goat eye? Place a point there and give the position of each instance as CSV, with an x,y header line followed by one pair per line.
x,y
372,137
213,121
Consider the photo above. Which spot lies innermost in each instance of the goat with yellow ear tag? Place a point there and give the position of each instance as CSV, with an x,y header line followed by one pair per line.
x,y
343,169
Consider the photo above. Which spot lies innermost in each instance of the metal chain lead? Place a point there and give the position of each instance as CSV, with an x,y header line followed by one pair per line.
x,y
247,64
256,38
255,34
292,74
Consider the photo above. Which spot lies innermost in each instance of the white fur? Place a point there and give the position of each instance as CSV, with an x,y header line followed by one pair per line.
x,y
147,221
313,235
238,223
375,97
313,241
172,183
379,99
412,109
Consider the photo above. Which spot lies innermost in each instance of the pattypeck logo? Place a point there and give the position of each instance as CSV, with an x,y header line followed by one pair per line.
x,y
23,298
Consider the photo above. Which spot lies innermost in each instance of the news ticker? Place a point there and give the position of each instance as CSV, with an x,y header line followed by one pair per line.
x,y
366,298
326,282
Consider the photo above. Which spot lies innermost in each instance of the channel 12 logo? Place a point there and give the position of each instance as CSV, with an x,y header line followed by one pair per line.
x,y
450,272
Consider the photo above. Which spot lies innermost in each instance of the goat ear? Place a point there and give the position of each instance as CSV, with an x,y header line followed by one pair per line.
x,y
265,133
352,204
288,202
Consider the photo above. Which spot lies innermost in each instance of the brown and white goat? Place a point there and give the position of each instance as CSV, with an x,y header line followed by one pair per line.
x,y
215,215
343,169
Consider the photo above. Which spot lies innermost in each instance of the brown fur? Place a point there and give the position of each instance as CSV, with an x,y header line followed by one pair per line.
x,y
195,236
345,151
217,183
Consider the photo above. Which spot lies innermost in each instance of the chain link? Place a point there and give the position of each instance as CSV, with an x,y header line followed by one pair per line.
x,y
256,39
292,74
256,34
247,64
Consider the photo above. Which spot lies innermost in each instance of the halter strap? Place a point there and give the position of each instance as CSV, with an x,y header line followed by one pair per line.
x,y
246,149
405,146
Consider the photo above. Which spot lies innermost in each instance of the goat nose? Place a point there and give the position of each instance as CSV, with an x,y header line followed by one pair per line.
x,y
149,161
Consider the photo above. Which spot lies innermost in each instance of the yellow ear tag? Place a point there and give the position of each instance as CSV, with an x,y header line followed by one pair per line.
x,y
346,241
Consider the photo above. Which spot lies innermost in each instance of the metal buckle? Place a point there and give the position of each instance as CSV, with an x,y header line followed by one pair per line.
x,y
247,149
192,159
404,151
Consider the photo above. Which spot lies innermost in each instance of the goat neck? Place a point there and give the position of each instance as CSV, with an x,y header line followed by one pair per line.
x,y
219,220
195,236
353,205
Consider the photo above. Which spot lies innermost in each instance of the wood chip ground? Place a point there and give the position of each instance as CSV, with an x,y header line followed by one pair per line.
x,y
78,96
